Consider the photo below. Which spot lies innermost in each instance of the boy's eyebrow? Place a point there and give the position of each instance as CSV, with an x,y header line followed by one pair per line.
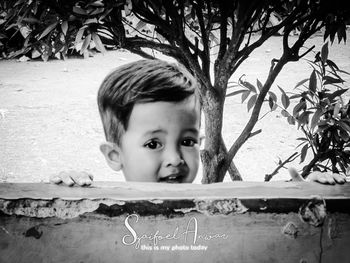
x,y
194,130
155,131
152,132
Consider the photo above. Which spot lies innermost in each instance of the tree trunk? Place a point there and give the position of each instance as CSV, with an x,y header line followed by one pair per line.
x,y
212,155
215,167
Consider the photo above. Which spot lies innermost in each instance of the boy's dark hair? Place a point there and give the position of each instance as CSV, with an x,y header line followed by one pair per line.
x,y
140,82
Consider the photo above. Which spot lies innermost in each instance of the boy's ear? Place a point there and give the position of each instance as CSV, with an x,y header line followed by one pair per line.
x,y
112,155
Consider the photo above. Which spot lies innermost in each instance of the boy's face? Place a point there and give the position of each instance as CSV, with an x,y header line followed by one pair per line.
x,y
161,143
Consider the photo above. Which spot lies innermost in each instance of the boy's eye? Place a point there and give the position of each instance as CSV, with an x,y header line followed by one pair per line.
x,y
189,142
153,145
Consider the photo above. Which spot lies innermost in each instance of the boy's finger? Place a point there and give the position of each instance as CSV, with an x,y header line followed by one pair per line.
x,y
323,178
329,180
296,177
66,179
339,178
55,179
83,179
91,177
88,179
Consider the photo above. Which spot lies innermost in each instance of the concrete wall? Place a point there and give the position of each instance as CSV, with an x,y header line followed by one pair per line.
x,y
144,222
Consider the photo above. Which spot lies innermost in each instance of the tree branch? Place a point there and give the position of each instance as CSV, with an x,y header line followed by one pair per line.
x,y
205,57
136,43
256,110
291,158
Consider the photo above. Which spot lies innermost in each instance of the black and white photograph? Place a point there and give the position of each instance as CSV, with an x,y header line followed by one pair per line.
x,y
174,131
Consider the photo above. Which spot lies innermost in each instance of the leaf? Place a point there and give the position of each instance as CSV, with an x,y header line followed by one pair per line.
x,y
284,98
193,13
236,92
332,35
342,33
251,101
295,96
299,107
90,21
344,135
35,53
344,126
97,4
214,38
11,26
232,84
315,118
249,86
273,96
330,80
79,10
259,84
303,119
332,65
274,107
303,153
64,27
19,2
48,30
245,95
97,11
99,46
300,83
128,7
302,143
106,13
79,36
291,120
31,20
141,25
336,110
271,103
285,113
302,139
86,43
26,42
344,72
313,82
335,94
324,52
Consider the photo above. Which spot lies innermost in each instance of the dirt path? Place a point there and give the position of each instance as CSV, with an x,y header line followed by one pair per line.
x,y
49,120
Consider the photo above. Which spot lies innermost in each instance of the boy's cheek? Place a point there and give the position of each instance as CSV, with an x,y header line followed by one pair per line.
x,y
193,162
141,171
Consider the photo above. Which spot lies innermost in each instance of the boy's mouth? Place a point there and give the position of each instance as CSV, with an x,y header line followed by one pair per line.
x,y
172,179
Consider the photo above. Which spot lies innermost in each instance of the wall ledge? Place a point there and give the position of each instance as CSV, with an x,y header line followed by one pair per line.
x,y
47,200
223,222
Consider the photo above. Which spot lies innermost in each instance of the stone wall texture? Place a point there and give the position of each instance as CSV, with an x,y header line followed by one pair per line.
x,y
146,222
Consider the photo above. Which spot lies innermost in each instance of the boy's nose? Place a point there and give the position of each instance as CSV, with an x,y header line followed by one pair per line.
x,y
173,158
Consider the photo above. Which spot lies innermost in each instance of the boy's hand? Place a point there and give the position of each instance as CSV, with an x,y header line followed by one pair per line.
x,y
71,178
320,177
326,178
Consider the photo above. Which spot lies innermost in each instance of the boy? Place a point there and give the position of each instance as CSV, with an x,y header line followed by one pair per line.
x,y
150,112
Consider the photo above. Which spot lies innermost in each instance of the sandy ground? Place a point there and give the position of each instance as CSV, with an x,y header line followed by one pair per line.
x,y
49,120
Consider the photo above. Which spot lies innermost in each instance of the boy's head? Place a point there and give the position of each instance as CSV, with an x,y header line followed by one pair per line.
x,y
151,117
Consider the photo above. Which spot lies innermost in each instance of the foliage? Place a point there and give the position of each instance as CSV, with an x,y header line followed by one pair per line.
x,y
322,115
52,28
209,37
